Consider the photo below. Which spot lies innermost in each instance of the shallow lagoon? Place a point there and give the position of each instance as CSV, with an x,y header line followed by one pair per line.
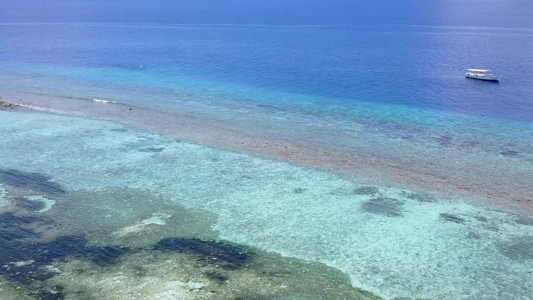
x,y
95,209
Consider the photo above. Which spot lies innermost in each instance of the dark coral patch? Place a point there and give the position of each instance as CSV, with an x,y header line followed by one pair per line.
x,y
491,227
421,197
25,274
152,149
481,219
9,220
518,249
510,153
34,181
211,252
50,295
216,276
24,203
42,254
76,246
14,228
299,190
119,129
445,140
451,218
523,220
366,190
7,234
384,206
473,235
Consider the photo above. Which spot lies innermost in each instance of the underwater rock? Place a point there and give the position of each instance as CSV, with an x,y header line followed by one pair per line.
x,y
6,105
383,206
421,197
7,234
299,190
451,218
77,246
473,235
491,227
481,219
42,254
445,140
119,130
29,180
227,256
14,228
216,276
25,274
8,219
50,295
523,220
509,153
151,149
520,248
366,190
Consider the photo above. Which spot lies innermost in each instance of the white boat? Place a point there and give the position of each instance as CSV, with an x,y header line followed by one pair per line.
x,y
481,74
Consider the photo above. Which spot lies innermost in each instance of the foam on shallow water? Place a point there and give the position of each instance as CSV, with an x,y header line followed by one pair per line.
x,y
389,240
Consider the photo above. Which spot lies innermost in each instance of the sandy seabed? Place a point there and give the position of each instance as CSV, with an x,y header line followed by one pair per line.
x,y
122,220
501,180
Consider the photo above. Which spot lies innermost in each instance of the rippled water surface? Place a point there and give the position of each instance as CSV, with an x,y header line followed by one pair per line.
x,y
155,217
435,197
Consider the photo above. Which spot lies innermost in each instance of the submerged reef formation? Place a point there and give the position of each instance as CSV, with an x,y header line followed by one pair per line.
x,y
185,221
136,253
224,255
32,181
7,105
384,206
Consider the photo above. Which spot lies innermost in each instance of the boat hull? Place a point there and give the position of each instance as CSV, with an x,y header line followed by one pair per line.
x,y
483,78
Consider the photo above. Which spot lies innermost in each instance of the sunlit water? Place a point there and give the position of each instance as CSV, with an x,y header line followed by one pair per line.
x,y
90,206
100,210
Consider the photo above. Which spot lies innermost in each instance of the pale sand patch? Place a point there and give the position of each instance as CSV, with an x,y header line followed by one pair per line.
x,y
48,203
3,195
155,219
23,263
481,183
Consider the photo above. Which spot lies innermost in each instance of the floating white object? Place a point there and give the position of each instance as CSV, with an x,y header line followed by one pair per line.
x,y
104,101
487,75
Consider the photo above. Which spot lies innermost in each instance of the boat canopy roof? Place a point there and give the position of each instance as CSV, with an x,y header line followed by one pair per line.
x,y
479,71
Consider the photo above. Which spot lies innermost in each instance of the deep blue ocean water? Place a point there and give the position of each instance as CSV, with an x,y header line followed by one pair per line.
x,y
403,52
382,79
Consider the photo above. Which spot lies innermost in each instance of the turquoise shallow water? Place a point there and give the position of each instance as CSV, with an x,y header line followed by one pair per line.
x,y
394,92
375,91
392,241
492,155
